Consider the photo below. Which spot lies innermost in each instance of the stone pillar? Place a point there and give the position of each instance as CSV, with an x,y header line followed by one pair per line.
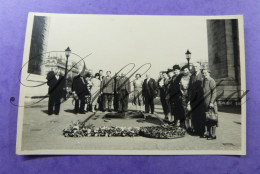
x,y
39,42
230,50
223,60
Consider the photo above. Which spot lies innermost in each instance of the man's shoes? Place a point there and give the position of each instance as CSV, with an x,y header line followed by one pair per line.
x,y
82,112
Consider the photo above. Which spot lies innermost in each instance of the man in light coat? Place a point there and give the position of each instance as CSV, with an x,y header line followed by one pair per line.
x,y
107,88
123,88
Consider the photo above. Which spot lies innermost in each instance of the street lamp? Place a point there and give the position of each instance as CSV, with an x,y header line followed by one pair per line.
x,y
67,53
188,53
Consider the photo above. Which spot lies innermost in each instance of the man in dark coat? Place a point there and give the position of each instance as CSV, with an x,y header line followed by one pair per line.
x,y
116,95
101,97
56,83
123,88
107,88
149,93
80,90
196,100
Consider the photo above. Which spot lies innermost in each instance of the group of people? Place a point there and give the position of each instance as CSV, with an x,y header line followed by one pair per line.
x,y
102,92
185,97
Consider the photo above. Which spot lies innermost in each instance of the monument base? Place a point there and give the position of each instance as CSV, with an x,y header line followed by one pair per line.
x,y
125,115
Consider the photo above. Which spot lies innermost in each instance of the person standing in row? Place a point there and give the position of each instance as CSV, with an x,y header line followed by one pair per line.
x,y
101,96
149,93
168,81
95,91
123,87
162,85
209,89
196,100
185,96
175,96
138,98
116,95
80,90
107,91
88,97
56,83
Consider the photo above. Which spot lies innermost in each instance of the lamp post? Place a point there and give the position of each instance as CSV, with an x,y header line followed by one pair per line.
x,y
188,53
67,53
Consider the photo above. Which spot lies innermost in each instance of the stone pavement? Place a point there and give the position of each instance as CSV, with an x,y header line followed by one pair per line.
x,y
43,132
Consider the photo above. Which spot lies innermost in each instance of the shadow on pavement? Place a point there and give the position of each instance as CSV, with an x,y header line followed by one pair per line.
x,y
69,111
150,119
45,111
230,109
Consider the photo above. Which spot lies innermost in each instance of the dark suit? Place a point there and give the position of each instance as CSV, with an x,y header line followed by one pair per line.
x,y
116,95
101,97
175,98
123,88
163,94
79,85
56,91
197,103
149,93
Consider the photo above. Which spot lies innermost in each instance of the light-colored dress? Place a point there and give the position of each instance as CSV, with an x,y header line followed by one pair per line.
x,y
184,87
138,98
95,90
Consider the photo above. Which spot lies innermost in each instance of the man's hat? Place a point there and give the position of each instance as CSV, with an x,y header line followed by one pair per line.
x,y
169,70
176,67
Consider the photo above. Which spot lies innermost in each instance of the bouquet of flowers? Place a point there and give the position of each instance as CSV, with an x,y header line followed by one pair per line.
x,y
79,129
166,132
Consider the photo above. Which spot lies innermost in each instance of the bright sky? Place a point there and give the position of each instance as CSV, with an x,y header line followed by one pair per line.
x,y
115,41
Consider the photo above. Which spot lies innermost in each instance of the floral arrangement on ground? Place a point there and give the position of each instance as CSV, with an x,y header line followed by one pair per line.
x,y
80,129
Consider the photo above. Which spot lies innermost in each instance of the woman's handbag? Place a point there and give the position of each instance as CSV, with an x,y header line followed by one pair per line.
x,y
211,115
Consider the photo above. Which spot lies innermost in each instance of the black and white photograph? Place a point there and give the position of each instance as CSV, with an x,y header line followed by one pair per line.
x,y
132,85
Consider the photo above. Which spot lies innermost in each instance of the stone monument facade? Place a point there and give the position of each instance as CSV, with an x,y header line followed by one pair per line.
x,y
223,59
39,42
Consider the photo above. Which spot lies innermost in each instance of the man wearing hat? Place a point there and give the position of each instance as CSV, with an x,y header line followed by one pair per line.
x,y
56,83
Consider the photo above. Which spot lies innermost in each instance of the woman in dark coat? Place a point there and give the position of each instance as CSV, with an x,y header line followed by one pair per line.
x,y
175,96
209,89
